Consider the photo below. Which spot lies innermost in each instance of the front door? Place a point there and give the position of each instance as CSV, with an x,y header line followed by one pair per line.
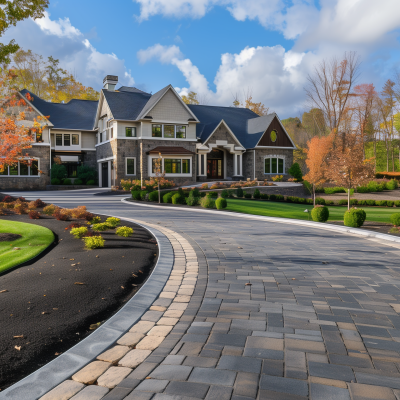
x,y
104,174
215,164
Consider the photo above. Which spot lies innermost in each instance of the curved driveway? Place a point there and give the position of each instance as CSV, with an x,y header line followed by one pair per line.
x,y
289,312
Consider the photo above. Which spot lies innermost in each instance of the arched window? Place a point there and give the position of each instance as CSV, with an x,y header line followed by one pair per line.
x,y
274,165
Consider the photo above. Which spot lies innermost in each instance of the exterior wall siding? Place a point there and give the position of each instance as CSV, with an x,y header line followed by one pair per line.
x,y
170,109
122,125
31,183
88,140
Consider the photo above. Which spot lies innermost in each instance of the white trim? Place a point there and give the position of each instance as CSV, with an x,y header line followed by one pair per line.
x,y
170,124
91,149
41,144
128,137
162,138
275,147
126,165
99,144
29,170
79,130
229,130
277,165
177,156
105,159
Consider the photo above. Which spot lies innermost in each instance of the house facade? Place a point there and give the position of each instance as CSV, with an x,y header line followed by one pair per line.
x,y
124,133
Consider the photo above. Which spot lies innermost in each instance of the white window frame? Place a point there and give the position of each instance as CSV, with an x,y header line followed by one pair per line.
x,y
19,171
71,146
277,164
133,136
167,138
126,165
170,156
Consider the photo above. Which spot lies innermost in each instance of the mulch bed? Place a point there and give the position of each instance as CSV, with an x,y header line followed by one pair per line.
x,y
9,237
48,304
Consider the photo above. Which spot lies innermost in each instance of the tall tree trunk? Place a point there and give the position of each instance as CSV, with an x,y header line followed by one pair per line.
x,y
348,198
375,152
313,186
392,158
387,154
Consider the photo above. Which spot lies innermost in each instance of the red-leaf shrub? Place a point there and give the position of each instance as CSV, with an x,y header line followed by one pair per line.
x,y
59,216
74,225
88,216
34,214
8,199
39,203
21,199
79,212
20,208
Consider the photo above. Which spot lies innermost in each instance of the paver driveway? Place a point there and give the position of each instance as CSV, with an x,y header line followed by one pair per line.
x,y
279,312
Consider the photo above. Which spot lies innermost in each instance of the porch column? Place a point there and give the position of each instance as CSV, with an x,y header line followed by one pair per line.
x,y
100,174
235,164
202,164
240,162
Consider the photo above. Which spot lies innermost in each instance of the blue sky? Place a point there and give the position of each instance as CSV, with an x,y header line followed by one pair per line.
x,y
218,48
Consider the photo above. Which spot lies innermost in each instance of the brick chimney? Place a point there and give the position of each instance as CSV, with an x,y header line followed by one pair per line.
x,y
109,82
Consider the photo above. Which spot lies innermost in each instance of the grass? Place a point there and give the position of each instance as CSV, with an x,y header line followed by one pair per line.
x,y
296,211
33,241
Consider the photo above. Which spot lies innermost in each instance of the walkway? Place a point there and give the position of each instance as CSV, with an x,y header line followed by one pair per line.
x,y
269,311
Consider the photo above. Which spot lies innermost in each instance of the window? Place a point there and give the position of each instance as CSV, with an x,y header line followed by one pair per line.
x,y
172,166
130,132
75,140
39,137
22,169
186,166
59,138
153,165
67,140
130,166
157,131
274,165
180,132
169,131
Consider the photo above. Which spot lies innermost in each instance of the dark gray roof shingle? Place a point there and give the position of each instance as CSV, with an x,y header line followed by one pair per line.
x,y
76,114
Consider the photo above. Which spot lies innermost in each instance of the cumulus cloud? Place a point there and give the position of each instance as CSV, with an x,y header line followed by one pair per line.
x,y
60,39
164,54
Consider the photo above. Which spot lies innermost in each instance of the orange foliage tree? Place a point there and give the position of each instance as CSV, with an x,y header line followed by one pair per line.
x,y
347,166
15,137
318,150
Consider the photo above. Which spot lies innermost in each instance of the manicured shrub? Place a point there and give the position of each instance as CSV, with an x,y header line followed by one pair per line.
x,y
392,184
371,202
381,203
79,212
231,193
79,233
124,231
362,189
91,182
178,198
192,201
59,216
264,196
50,209
353,202
204,186
113,222
58,171
207,202
343,202
153,196
329,202
95,220
257,194
8,199
21,199
167,198
221,203
94,242
224,194
136,195
33,214
100,227
277,178
239,192
272,197
86,174
39,203
55,181
276,197
295,171
78,182
333,190
395,219
320,201
354,217
247,195
309,201
320,213
390,203
143,194
397,203
362,202
31,205
195,192
212,194
373,186
74,225
67,182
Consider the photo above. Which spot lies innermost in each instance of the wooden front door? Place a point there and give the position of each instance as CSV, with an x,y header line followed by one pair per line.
x,y
215,169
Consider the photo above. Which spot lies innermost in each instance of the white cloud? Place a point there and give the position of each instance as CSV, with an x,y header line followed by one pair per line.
x,y
68,44
164,54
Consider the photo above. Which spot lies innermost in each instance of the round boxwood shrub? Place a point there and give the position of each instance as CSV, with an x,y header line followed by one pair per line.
x,y
167,198
153,196
192,200
78,182
397,203
221,203
67,181
143,194
320,213
124,231
178,198
91,182
395,219
257,194
136,195
207,202
354,217
239,192
295,171
55,181
371,203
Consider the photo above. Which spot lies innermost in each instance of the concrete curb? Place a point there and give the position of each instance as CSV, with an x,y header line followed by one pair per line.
x,y
55,372
310,224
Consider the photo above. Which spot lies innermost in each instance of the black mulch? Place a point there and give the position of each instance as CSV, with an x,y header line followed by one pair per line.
x,y
9,237
43,303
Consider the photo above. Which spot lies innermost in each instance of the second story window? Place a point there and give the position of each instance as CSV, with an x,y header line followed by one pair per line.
x,y
59,139
181,132
67,140
169,131
157,131
130,132
75,140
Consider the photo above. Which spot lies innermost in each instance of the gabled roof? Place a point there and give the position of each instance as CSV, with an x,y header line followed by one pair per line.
x,y
130,89
170,150
76,114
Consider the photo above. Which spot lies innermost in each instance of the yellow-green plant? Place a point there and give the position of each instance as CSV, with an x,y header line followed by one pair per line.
x,y
95,220
124,231
50,209
93,242
112,222
100,227
79,233
277,178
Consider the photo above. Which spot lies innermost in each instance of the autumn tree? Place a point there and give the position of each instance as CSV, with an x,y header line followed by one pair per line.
x,y
191,98
313,122
347,166
318,151
17,132
12,11
330,86
258,108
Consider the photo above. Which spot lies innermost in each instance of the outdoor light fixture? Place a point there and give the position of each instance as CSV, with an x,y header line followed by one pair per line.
x,y
306,210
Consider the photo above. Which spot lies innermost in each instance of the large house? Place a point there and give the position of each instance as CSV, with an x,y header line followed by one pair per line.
x,y
124,132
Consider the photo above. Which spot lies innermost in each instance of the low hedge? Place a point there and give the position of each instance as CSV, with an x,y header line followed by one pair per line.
x,y
178,198
153,196
207,202
136,195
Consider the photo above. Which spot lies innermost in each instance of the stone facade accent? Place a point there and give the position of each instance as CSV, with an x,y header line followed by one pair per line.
x,y
89,158
31,183
222,134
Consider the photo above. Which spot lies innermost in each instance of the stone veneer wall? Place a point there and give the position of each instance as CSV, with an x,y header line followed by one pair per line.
x,y
31,183
89,158
248,166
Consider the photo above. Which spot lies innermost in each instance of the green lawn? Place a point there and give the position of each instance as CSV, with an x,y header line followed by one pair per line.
x,y
290,210
34,240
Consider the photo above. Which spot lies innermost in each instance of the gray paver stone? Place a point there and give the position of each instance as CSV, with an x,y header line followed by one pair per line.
x,y
212,376
244,364
187,388
91,392
171,372
324,392
285,385
152,385
331,371
219,393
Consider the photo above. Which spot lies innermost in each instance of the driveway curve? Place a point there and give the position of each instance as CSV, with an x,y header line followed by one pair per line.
x,y
278,311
